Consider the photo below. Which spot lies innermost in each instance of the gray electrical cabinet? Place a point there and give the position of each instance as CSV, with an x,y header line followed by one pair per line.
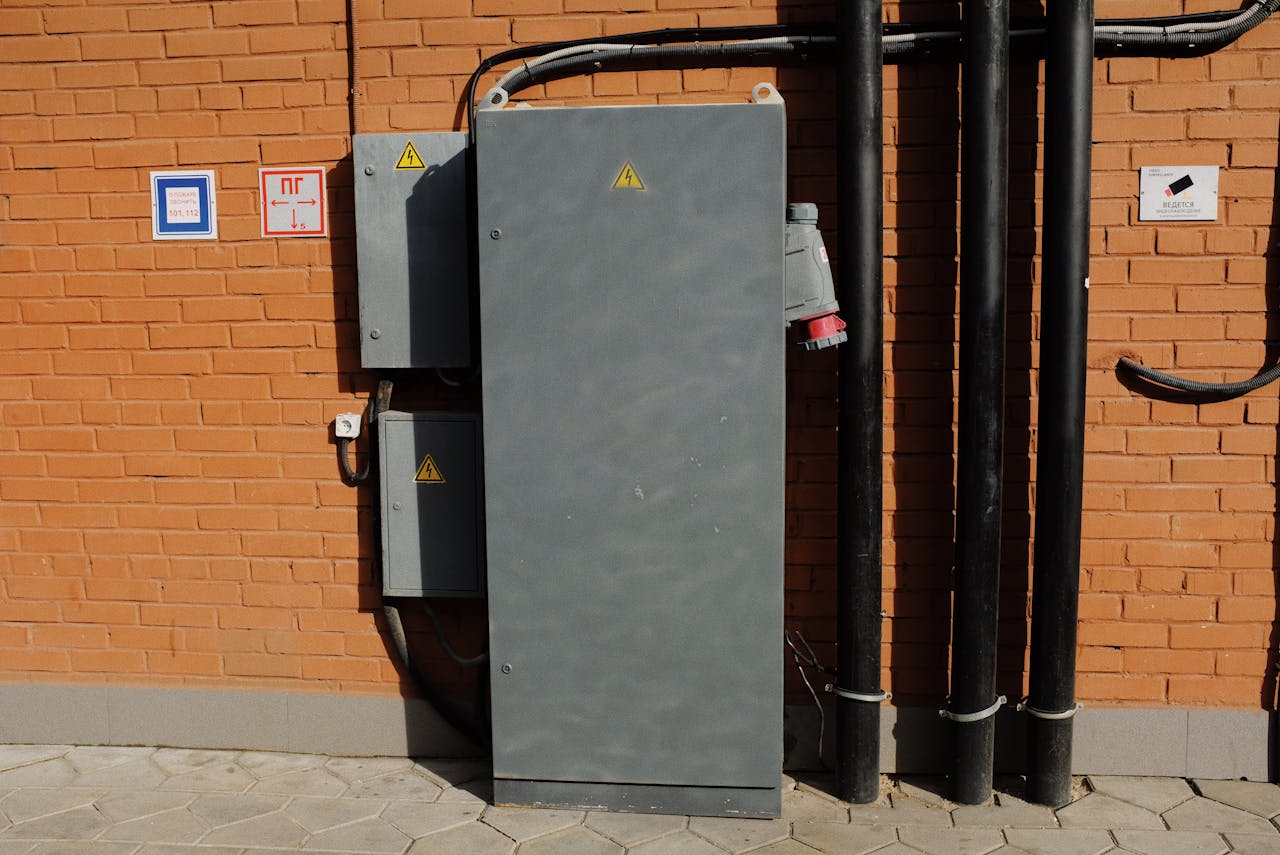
x,y
429,475
412,255
631,294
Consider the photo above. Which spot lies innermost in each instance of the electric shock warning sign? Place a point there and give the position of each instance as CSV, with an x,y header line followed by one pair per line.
x,y
628,179
428,472
409,158
1178,193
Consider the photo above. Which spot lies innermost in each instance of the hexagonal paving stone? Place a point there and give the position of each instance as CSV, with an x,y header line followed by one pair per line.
x,y
798,805
1252,844
170,826
844,838
904,813
179,761
170,849
784,847
1201,814
452,772
527,823
571,841
265,764
95,847
316,815
474,838
1098,811
1254,797
124,805
471,792
353,769
25,805
46,773
419,820
1171,842
225,777
929,789
398,786
303,782
739,835
90,758
138,773
368,835
1060,841
630,829
952,841
1154,794
219,809
897,849
274,829
82,823
12,756
680,843
1015,815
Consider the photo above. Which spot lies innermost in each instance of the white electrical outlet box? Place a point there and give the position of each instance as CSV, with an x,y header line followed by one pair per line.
x,y
347,426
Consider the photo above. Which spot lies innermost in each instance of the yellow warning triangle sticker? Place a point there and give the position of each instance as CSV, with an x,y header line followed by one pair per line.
x,y
428,472
628,179
409,158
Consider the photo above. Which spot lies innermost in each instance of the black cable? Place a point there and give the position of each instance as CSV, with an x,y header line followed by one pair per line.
x,y
351,476
942,35
460,720
471,726
1220,391
665,36
378,406
443,638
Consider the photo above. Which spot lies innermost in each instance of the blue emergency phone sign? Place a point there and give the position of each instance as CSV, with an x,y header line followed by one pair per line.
x,y
184,206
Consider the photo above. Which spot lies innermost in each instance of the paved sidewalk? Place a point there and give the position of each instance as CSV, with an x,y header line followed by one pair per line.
x,y
65,800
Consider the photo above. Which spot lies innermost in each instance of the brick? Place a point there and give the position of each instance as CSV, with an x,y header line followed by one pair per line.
x,y
15,22
293,39
83,20
254,12
135,46
1167,609
1215,636
169,18
1231,125
206,43
1169,661
43,48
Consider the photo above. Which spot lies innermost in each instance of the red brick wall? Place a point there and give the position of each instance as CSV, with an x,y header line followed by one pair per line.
x,y
170,509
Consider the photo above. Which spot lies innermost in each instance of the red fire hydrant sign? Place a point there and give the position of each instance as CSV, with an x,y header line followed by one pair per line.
x,y
293,201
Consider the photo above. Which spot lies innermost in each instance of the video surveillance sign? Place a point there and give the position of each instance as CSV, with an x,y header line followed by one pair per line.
x,y
1178,193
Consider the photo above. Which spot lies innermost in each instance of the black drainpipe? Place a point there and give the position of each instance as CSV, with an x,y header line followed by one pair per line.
x,y
984,194
1064,334
860,241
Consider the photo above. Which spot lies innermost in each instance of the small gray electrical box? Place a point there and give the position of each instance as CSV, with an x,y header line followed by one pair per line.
x,y
412,251
432,538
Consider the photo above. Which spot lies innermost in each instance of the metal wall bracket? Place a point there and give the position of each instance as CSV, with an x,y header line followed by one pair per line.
x,y
1023,706
965,718
875,698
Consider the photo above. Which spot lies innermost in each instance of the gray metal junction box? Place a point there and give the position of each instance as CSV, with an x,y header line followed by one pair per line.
x,y
411,249
430,482
631,293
